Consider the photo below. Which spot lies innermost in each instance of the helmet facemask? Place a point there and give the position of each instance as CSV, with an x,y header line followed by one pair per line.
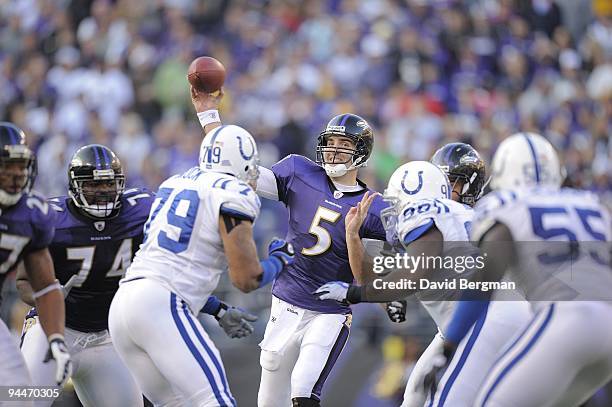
x,y
389,215
17,173
356,157
470,191
98,194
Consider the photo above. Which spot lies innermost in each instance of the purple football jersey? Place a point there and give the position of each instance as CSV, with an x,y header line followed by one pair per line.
x,y
25,227
98,252
317,232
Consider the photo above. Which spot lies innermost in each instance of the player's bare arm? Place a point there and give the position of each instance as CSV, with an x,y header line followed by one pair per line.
x,y
49,300
237,236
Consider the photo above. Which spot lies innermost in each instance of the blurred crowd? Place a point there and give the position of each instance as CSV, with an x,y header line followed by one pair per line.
x,y
423,72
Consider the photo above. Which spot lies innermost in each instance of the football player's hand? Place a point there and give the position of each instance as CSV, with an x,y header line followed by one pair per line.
x,y
235,321
58,351
203,101
396,311
282,250
357,214
334,290
436,365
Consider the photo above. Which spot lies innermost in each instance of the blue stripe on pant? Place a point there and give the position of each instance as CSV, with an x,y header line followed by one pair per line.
x,y
210,353
194,351
331,360
522,354
462,359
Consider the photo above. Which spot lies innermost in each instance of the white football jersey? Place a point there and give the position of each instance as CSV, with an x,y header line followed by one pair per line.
x,y
566,256
182,248
453,220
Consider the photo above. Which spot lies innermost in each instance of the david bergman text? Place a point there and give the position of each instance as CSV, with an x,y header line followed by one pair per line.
x,y
425,284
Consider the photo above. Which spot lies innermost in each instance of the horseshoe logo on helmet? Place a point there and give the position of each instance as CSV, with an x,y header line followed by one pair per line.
x,y
242,153
417,189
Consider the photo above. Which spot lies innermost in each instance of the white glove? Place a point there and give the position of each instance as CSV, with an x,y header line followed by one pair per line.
x,y
334,290
58,351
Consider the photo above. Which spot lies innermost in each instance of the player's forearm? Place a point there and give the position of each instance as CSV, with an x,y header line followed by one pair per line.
x,y
51,312
357,259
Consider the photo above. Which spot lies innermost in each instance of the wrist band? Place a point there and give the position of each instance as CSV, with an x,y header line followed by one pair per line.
x,y
54,286
208,117
55,336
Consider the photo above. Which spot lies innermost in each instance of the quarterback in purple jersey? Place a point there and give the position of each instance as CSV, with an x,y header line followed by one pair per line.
x,y
26,229
305,336
98,229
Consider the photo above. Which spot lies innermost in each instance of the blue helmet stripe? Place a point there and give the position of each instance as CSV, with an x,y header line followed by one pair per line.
x,y
107,160
344,119
534,156
97,155
450,152
14,135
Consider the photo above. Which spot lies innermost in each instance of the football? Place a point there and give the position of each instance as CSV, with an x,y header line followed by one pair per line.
x,y
206,74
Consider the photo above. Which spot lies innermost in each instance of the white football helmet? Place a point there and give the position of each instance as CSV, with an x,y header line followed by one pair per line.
x,y
523,160
412,182
230,150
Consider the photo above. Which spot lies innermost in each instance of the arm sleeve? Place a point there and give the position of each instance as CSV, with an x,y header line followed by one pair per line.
x,y
266,184
44,229
466,314
238,200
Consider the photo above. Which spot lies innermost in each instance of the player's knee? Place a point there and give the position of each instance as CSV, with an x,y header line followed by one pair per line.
x,y
305,402
270,360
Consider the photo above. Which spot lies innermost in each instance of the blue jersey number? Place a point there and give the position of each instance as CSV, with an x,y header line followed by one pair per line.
x,y
537,220
188,202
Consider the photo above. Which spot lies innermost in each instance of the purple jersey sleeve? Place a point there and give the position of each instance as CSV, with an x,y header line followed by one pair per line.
x,y
43,223
284,171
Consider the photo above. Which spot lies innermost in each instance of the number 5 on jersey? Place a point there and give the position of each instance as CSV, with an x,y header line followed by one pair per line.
x,y
324,239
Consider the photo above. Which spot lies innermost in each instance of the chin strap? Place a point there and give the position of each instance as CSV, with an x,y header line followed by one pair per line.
x,y
7,199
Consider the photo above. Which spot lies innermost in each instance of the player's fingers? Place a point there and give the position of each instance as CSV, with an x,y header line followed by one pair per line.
x,y
249,317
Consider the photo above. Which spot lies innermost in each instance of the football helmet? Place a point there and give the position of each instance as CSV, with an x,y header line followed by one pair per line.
x,y
461,162
15,181
96,181
350,126
231,150
412,182
524,160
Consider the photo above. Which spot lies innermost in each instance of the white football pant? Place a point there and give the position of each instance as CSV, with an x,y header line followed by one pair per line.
x,y
13,370
477,352
97,368
561,358
299,349
166,348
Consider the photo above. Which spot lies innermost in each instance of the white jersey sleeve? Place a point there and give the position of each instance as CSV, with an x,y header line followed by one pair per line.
x,y
266,184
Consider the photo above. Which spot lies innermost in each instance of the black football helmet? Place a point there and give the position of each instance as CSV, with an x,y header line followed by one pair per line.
x,y
96,181
15,181
353,127
461,161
